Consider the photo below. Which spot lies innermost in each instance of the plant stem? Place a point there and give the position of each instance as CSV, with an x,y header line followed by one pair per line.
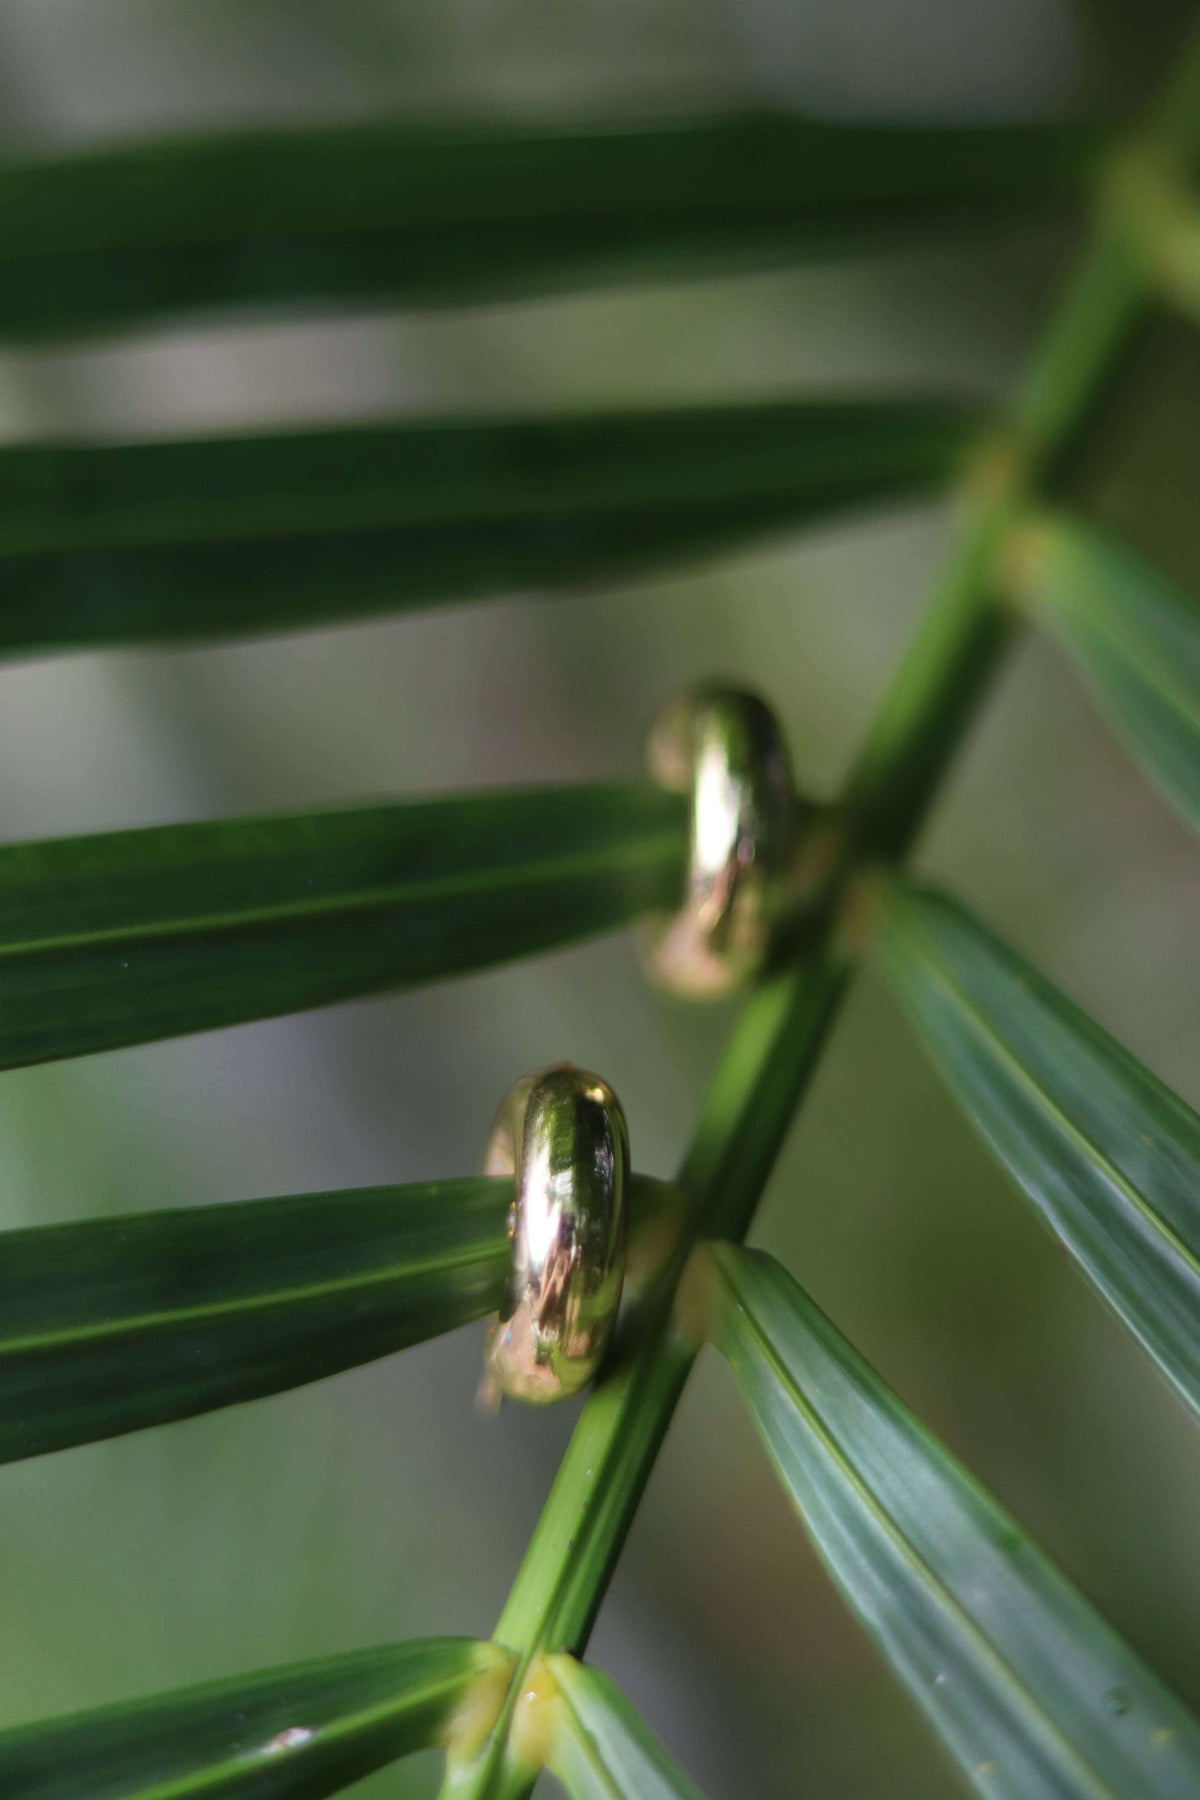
x,y
777,1038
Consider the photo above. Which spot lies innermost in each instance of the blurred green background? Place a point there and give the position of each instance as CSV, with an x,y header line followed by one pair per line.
x,y
380,1505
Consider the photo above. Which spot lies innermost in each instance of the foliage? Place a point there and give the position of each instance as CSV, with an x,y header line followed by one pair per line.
x,y
112,1326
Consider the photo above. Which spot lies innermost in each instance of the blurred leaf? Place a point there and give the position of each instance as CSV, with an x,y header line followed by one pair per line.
x,y
287,1734
601,1749
106,543
132,935
113,1324
1109,1157
1035,1696
428,214
1135,639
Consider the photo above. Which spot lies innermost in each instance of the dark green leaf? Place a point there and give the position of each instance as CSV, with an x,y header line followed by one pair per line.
x,y
106,543
113,1324
601,1749
386,213
287,1734
1109,1157
1135,639
1036,1697
134,935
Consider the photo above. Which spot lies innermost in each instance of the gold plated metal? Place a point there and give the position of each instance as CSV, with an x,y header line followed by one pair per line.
x,y
561,1135
725,748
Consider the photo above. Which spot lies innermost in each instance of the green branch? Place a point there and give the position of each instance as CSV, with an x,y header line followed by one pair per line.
x,y
776,1041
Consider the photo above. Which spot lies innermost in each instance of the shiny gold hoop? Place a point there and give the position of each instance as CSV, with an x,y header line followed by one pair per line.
x,y
725,748
561,1135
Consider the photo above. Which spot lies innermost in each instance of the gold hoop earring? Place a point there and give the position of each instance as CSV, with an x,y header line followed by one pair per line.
x,y
725,748
561,1135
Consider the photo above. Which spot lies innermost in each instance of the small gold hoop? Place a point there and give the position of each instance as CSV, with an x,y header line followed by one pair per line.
x,y
561,1135
725,748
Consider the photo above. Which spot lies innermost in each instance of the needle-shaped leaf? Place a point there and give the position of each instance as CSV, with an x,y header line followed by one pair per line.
x,y
295,1733
1031,1691
106,543
600,1748
1109,1157
1135,640
127,936
113,1324
420,215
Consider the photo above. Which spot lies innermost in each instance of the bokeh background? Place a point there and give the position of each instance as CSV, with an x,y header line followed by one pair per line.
x,y
380,1505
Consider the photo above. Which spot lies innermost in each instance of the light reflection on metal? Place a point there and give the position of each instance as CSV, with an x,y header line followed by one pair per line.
x,y
725,748
561,1135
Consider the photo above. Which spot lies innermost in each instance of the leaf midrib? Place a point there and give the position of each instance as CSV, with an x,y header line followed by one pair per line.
x,y
135,1324
585,1743
988,1653
938,968
375,898
205,1780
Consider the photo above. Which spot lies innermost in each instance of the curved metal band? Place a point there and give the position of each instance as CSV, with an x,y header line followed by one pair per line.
x,y
724,747
561,1134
